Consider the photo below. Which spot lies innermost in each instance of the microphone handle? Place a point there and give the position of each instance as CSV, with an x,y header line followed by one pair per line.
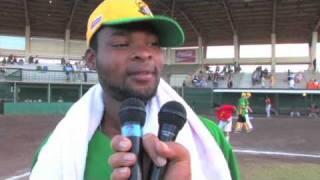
x,y
166,134
136,170
157,173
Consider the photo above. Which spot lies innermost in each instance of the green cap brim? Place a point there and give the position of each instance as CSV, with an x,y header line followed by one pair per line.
x,y
169,31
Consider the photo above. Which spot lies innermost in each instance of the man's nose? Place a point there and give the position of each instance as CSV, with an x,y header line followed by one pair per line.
x,y
142,52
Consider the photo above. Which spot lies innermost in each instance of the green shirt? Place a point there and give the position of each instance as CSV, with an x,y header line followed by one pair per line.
x,y
99,150
243,106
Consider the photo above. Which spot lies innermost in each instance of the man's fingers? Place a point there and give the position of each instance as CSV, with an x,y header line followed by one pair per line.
x,y
160,151
120,143
122,159
150,143
122,173
179,162
176,152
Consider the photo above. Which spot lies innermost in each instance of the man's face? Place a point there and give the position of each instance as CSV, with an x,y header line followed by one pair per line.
x,y
129,62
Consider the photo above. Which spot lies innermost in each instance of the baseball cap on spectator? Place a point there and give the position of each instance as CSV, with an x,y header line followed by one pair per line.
x,y
112,13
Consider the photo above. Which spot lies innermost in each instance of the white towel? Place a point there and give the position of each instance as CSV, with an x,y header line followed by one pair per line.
x,y
63,157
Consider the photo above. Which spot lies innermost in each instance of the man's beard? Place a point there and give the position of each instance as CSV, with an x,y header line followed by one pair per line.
x,y
125,92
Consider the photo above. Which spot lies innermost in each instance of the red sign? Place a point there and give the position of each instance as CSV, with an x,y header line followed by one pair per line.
x,y
186,56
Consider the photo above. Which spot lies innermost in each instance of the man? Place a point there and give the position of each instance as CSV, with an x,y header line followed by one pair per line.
x,y
242,113
224,114
268,106
248,109
125,39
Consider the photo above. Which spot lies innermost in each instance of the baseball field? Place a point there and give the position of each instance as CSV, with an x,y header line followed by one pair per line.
x,y
280,148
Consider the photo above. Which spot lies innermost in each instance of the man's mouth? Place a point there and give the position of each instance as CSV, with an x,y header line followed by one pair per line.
x,y
142,76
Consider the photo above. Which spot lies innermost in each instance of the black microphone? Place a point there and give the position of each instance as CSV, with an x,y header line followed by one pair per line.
x,y
132,116
172,117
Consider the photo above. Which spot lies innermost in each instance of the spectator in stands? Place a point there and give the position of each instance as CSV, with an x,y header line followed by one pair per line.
x,y
314,111
223,72
20,62
184,84
30,60
203,79
294,112
291,80
263,82
256,76
14,61
85,71
36,60
230,82
196,81
265,73
217,69
237,67
62,61
76,71
316,84
215,80
85,68
68,69
10,59
298,77
60,99
4,61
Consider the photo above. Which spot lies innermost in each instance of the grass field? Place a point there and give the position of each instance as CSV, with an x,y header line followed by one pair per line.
x,y
266,168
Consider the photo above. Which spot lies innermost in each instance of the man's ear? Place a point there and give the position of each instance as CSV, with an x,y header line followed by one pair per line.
x,y
91,59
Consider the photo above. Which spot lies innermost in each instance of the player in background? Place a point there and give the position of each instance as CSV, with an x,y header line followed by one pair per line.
x,y
224,115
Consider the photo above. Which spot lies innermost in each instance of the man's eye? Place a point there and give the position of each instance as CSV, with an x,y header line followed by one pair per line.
x,y
120,45
156,44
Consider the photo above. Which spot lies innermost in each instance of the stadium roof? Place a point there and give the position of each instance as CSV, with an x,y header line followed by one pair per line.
x,y
214,20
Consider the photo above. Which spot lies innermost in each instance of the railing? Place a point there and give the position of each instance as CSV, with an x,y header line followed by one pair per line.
x,y
52,76
243,80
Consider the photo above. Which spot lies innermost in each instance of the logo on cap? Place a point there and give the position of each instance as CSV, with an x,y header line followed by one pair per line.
x,y
143,8
96,22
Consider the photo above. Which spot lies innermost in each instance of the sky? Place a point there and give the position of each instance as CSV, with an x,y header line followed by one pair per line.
x,y
9,42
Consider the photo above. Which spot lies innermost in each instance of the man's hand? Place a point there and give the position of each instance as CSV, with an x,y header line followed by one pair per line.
x,y
177,156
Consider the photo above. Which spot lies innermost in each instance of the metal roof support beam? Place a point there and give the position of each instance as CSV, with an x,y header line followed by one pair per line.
x,y
274,15
173,5
27,43
313,50
26,12
273,35
67,45
273,52
195,29
236,48
200,56
73,10
317,25
189,20
229,15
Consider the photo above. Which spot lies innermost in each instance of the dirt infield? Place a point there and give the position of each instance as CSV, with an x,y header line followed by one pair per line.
x,y
21,135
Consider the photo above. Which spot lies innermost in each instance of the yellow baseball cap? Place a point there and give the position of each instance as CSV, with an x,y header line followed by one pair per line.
x,y
118,12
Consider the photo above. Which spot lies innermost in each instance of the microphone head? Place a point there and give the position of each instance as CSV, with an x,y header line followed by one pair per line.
x,y
172,113
132,110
